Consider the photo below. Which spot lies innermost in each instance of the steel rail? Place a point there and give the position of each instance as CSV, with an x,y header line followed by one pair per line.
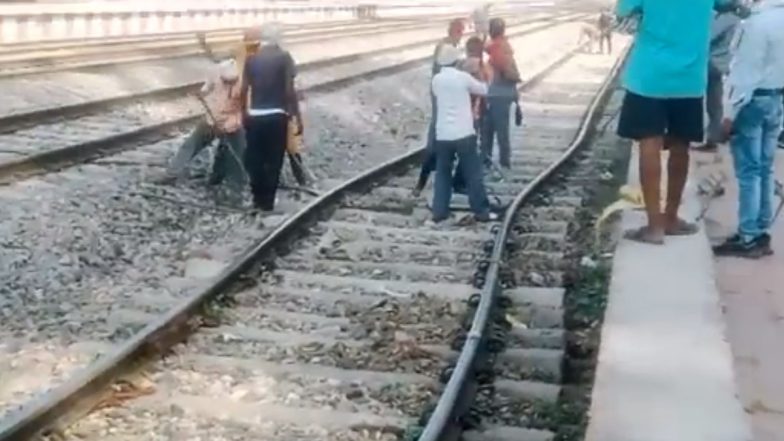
x,y
55,410
14,170
301,30
15,63
445,422
92,56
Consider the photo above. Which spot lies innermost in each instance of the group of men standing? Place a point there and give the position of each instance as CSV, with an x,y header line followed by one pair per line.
x,y
472,94
668,74
251,106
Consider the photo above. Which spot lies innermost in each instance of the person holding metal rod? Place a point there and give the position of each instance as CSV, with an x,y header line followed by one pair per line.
x,y
220,96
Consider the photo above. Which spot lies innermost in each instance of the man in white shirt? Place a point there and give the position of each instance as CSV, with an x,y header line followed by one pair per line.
x,y
481,18
455,135
754,112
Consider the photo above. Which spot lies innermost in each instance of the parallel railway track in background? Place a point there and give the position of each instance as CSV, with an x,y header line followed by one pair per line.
x,y
30,58
41,57
82,132
340,323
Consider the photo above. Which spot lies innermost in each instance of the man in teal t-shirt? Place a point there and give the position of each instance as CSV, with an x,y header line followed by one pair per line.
x,y
665,80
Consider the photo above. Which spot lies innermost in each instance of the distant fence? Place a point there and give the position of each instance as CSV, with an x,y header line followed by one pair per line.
x,y
37,22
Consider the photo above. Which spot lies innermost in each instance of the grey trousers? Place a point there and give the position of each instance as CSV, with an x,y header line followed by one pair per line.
x,y
227,164
714,105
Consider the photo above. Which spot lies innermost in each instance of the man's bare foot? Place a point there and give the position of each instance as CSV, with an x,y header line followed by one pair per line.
x,y
645,235
681,228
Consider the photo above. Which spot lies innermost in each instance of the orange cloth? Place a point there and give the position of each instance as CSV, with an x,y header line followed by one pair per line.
x,y
501,58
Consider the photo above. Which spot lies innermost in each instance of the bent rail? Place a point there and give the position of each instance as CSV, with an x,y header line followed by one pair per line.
x,y
445,422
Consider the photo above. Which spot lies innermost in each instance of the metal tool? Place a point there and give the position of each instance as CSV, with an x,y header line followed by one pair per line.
x,y
222,137
713,188
778,190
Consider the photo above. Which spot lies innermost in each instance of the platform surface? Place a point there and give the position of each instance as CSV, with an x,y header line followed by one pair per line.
x,y
665,368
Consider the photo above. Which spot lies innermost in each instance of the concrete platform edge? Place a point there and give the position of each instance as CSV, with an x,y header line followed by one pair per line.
x,y
665,370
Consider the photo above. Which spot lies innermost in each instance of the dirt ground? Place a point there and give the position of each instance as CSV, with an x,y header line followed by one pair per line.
x,y
753,296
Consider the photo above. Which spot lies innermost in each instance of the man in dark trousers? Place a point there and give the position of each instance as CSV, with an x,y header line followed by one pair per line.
x,y
268,88
753,122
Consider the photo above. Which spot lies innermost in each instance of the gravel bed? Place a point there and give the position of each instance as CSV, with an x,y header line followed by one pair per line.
x,y
175,425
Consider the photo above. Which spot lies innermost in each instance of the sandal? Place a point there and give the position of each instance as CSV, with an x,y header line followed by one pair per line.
x,y
682,228
643,235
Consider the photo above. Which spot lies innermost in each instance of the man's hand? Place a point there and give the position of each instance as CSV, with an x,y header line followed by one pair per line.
x,y
726,129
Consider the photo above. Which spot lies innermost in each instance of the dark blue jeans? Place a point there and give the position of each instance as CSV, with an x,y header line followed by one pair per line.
x,y
465,150
429,159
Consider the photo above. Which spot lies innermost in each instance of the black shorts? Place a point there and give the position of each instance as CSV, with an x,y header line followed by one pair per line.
x,y
643,117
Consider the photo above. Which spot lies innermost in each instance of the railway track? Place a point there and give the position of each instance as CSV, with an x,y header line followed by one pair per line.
x,y
340,323
36,58
26,59
148,234
82,132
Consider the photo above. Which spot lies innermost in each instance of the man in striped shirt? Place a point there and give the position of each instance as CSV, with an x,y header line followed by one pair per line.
x,y
754,113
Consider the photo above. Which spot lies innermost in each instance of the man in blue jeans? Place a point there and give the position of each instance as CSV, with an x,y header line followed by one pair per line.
x,y
665,81
455,135
754,118
502,93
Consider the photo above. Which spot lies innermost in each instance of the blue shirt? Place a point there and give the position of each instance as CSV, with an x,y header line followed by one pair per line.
x,y
669,58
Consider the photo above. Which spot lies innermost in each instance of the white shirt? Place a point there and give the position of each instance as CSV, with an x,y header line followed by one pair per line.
x,y
481,19
453,89
758,56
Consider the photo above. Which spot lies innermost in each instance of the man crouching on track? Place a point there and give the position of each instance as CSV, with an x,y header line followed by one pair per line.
x,y
455,135
269,77
223,120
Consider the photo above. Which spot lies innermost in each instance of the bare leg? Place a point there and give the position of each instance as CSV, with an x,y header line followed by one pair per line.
x,y
650,179
677,173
